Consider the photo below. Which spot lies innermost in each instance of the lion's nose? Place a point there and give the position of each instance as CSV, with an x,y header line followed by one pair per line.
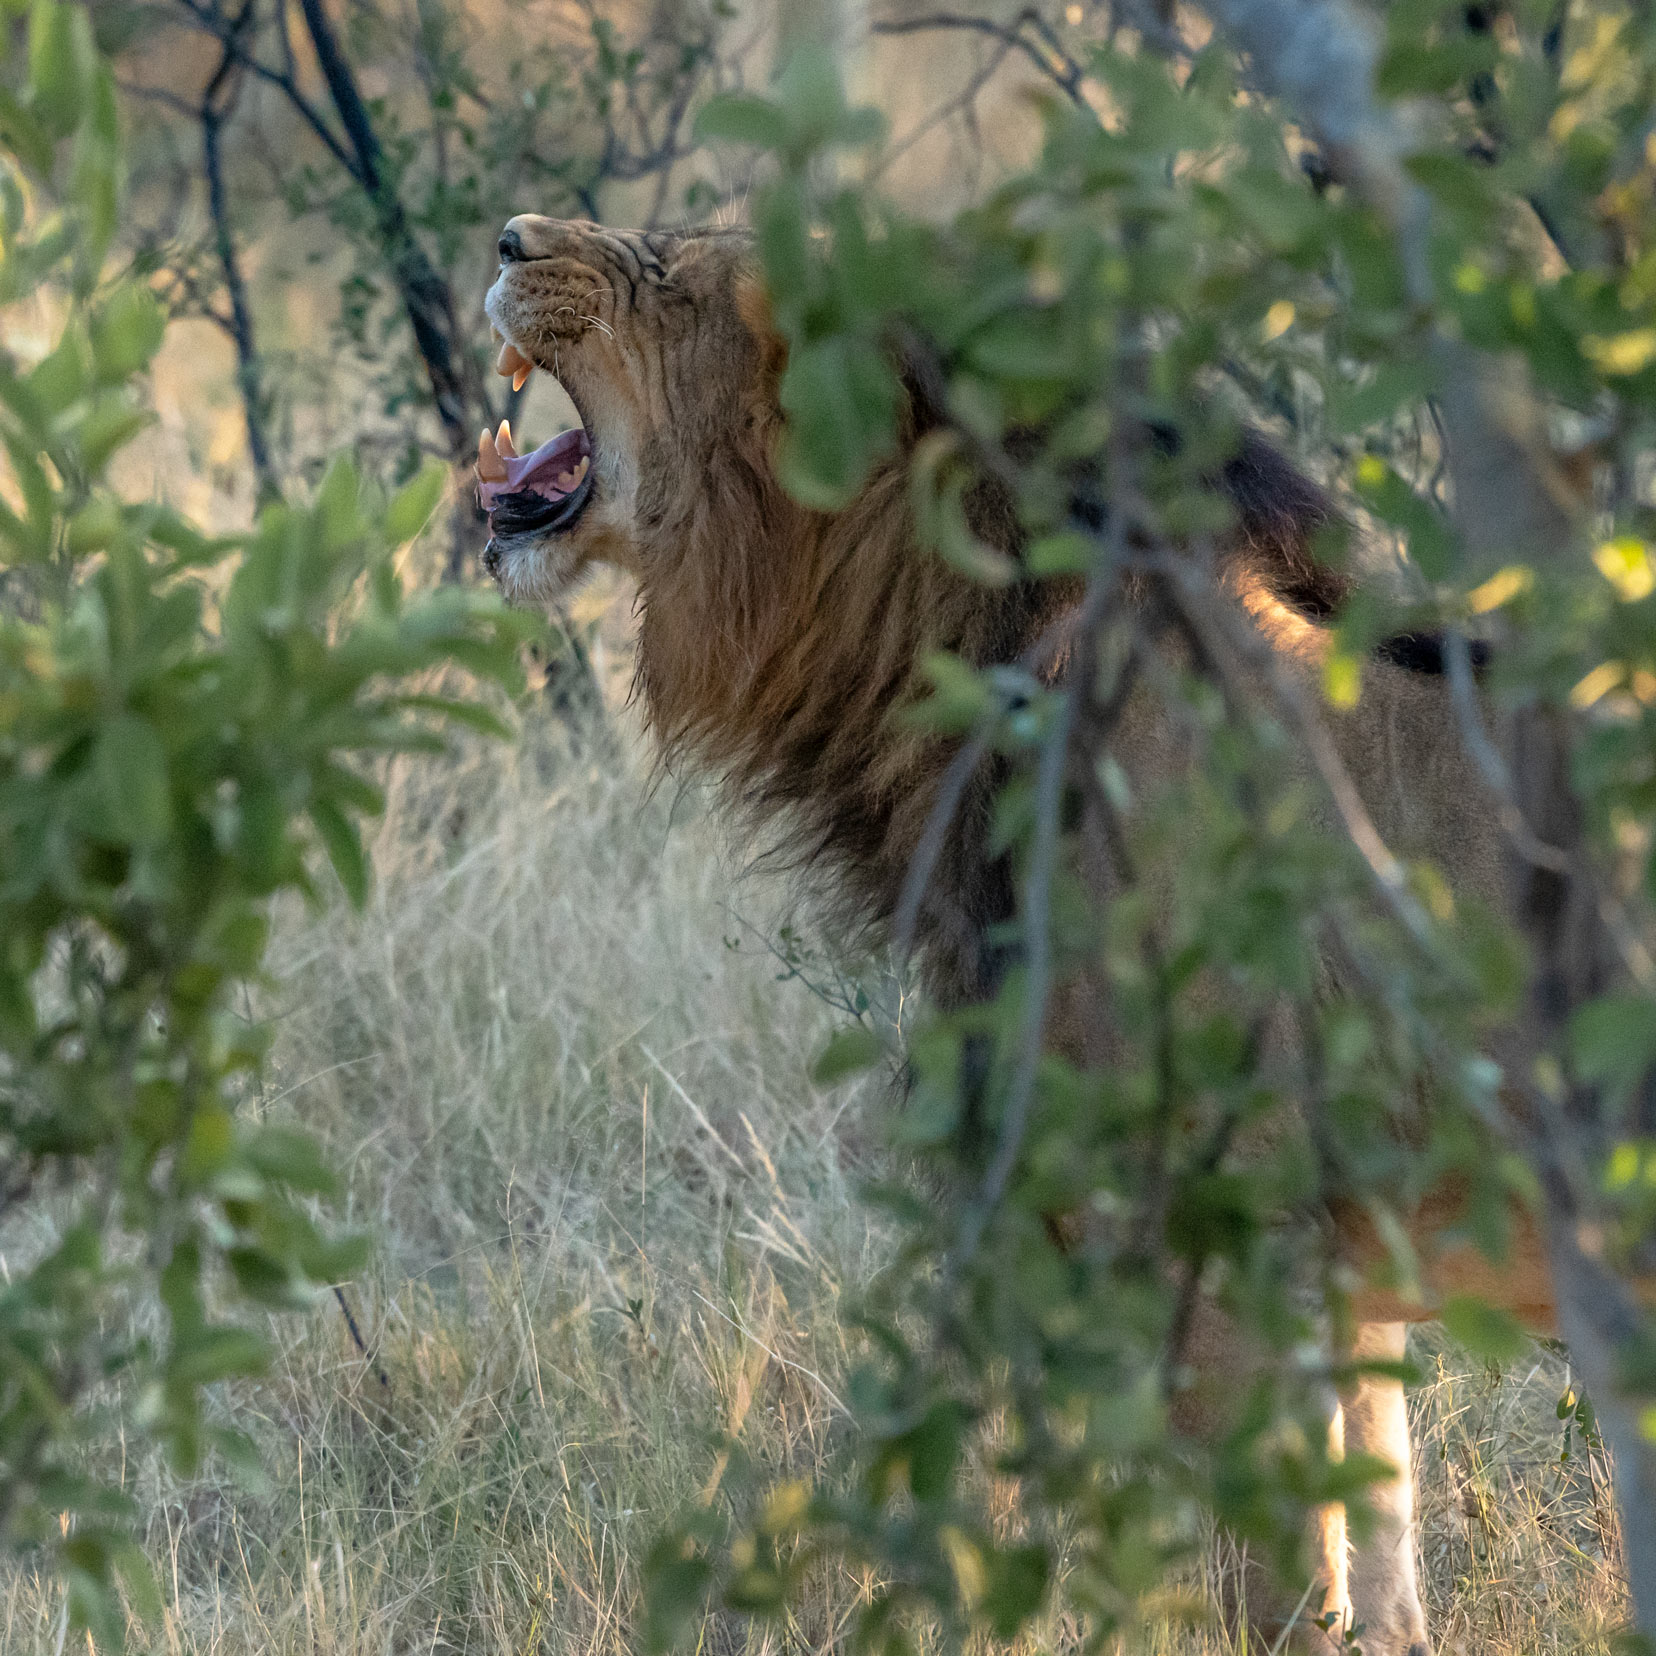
x,y
526,237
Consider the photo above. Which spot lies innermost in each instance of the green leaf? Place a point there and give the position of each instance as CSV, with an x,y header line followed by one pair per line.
x,y
344,847
1629,1642
676,1581
207,1148
335,1258
241,1455
1431,544
23,134
961,696
209,1354
338,521
91,1603
840,396
411,507
933,1449
62,63
743,119
1613,1041
848,1052
1463,187
266,1279
60,376
291,1158
126,332
139,1579
95,526
1067,553
261,832
1414,67
810,94
191,548
1485,1330
130,763
1017,1584
95,181
110,426
471,714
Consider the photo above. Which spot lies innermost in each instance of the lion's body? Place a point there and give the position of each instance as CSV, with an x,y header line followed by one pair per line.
x,y
776,645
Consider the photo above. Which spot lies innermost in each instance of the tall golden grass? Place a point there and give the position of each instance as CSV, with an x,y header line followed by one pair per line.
x,y
615,1226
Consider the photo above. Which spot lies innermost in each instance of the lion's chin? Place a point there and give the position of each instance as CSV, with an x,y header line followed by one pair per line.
x,y
532,570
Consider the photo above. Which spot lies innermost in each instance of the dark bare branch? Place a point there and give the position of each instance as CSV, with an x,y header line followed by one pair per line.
x,y
218,102
285,80
1028,33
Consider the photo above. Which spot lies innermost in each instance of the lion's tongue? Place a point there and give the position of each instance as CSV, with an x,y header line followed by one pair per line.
x,y
554,470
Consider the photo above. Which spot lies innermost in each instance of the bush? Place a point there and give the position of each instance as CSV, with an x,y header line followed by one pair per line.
x,y
187,725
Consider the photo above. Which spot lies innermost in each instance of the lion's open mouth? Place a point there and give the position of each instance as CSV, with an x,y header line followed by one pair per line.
x,y
542,492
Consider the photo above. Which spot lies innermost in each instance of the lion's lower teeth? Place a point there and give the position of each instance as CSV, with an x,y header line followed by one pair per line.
x,y
490,467
494,449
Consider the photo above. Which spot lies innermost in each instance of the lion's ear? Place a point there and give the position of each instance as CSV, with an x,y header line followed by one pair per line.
x,y
753,306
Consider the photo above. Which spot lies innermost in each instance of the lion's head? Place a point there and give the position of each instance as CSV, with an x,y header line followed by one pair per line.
x,y
653,336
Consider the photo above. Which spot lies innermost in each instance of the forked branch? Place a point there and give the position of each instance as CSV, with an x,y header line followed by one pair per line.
x,y
1028,33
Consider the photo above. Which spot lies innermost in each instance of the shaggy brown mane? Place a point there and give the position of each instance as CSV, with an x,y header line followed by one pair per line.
x,y
779,644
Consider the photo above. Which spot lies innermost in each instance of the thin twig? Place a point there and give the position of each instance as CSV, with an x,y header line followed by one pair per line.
x,y
962,102
1206,610
218,102
934,836
1037,662
1103,583
1634,953
1044,50
357,1340
1463,697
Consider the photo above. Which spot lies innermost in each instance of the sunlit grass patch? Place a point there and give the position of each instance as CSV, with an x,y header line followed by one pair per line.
x,y
616,1227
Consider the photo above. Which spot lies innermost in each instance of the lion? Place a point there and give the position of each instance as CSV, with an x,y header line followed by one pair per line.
x,y
775,641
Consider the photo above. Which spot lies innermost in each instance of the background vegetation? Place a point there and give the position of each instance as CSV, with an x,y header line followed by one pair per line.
x,y
558,1047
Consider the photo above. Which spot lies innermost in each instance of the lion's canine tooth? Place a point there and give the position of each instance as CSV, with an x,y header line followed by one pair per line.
x,y
521,377
512,362
504,443
490,467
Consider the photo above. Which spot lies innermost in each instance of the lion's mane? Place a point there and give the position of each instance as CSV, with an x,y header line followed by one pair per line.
x,y
779,645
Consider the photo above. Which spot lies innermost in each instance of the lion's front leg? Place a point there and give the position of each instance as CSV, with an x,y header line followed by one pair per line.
x,y
1384,1593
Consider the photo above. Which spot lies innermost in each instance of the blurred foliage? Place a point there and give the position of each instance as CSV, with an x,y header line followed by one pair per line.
x,y
1181,259
187,725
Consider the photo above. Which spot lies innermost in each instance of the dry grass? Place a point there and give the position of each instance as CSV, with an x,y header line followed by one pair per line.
x,y
614,1222
1519,1549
